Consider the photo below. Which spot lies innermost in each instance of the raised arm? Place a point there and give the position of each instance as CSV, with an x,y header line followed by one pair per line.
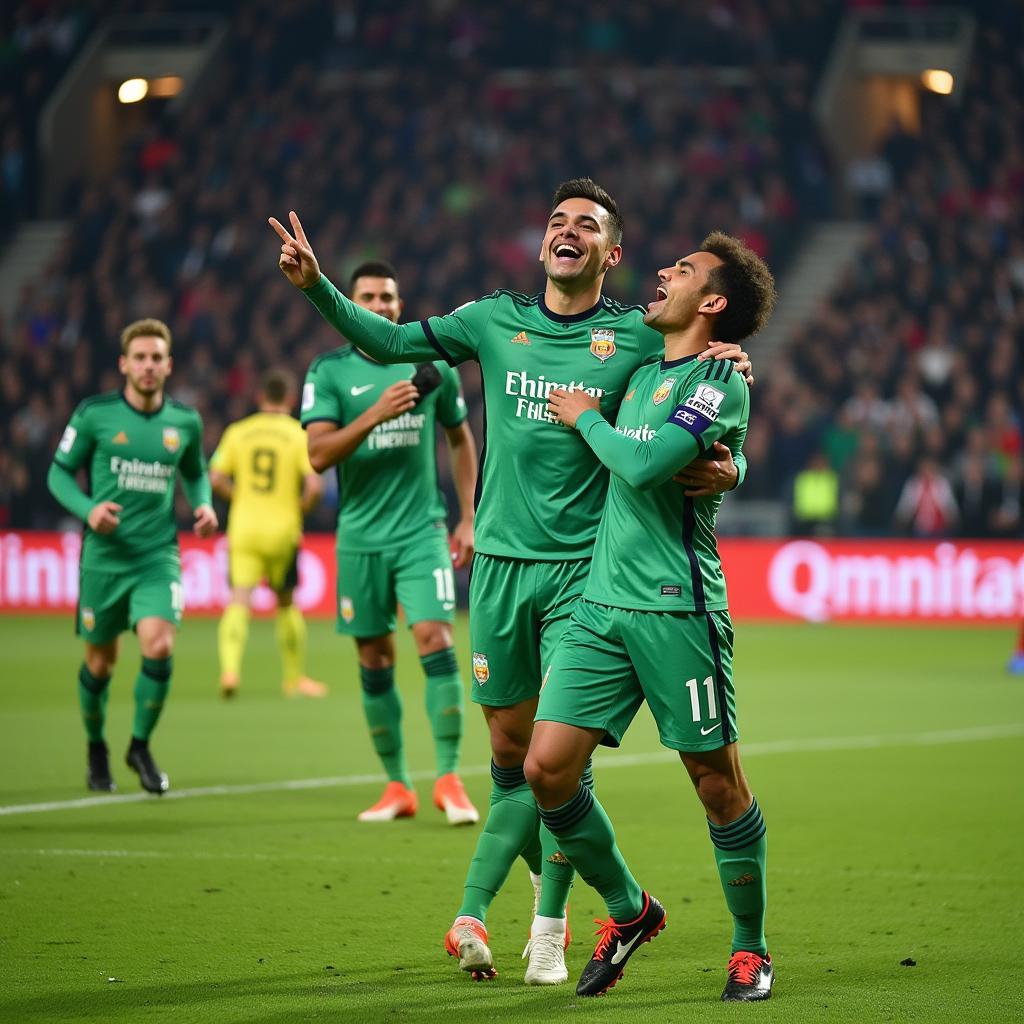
x,y
375,335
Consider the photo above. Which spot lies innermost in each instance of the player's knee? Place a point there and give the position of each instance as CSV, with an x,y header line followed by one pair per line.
x,y
540,774
719,793
159,646
432,637
100,662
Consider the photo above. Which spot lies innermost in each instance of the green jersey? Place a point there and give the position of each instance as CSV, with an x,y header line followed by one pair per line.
x,y
656,548
133,458
387,488
542,488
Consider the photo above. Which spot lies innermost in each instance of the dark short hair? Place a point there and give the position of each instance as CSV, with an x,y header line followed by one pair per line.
x,y
587,188
277,384
372,268
745,280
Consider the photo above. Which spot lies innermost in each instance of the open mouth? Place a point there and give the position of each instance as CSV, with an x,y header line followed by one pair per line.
x,y
662,292
568,252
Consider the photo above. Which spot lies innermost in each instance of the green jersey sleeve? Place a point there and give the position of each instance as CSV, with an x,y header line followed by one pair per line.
x,y
458,334
704,413
195,480
77,442
451,406
320,399
375,335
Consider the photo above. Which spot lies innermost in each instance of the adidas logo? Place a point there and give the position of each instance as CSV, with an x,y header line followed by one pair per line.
x,y
120,437
520,339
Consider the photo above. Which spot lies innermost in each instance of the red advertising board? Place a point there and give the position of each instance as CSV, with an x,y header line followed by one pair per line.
x,y
813,580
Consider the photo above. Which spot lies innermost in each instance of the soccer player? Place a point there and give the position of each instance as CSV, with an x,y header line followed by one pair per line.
x,y
377,427
133,444
653,623
262,469
541,493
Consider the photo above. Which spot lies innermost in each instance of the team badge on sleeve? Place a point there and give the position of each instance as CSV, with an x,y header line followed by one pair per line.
x,y
663,390
481,670
67,439
706,400
602,343
172,439
348,611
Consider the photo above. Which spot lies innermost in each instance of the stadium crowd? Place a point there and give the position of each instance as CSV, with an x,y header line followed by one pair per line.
x,y
896,410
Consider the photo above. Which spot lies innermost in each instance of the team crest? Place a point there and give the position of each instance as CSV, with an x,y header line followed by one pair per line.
x,y
602,343
348,611
88,619
481,670
172,439
663,390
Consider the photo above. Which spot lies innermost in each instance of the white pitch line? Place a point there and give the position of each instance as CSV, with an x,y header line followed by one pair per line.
x,y
605,761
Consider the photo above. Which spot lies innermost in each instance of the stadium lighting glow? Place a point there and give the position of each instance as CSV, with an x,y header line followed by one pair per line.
x,y
132,90
937,81
166,87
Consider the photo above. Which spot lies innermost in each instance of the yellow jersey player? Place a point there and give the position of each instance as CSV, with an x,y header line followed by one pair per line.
x,y
262,469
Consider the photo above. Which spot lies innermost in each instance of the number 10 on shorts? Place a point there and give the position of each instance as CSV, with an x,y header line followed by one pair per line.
x,y
709,686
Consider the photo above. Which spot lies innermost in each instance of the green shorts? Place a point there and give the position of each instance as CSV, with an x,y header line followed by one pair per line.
x,y
517,611
613,659
109,603
418,576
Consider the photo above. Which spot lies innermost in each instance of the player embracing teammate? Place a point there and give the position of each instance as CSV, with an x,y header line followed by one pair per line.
x,y
541,496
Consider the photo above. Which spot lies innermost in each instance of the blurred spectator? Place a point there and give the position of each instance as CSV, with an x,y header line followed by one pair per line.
x,y
816,498
927,507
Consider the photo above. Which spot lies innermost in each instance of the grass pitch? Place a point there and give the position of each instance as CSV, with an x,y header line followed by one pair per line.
x,y
888,762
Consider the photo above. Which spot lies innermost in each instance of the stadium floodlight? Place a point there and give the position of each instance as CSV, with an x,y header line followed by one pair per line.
x,y
937,80
132,90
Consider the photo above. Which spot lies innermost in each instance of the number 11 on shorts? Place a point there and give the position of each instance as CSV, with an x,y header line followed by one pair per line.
x,y
709,685
445,581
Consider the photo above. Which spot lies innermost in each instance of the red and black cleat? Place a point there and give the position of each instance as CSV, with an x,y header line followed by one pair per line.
x,y
750,978
617,943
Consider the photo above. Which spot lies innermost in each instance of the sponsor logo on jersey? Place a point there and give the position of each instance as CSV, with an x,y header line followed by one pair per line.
x,y
404,431
137,475
308,396
602,343
481,670
662,391
172,439
520,339
707,401
88,620
348,611
120,437
644,433
531,393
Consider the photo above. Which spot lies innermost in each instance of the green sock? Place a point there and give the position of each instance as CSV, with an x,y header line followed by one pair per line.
x,y
741,849
511,826
151,686
382,705
586,837
444,707
558,872
92,697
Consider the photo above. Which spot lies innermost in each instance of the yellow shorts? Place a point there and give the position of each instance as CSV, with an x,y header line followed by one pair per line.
x,y
249,566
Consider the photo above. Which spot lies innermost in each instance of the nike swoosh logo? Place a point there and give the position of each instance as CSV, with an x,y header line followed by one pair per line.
x,y
708,731
622,951
356,392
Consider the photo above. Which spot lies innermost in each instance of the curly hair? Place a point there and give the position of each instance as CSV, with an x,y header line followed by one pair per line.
x,y
745,280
